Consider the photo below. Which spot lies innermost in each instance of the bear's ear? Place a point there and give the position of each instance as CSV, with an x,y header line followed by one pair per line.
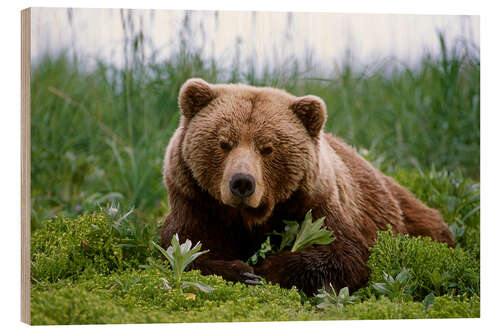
x,y
193,96
311,110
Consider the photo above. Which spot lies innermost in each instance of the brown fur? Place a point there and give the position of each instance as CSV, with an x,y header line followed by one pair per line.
x,y
277,138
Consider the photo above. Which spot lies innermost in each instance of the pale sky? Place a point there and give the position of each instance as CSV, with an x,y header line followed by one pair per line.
x,y
264,36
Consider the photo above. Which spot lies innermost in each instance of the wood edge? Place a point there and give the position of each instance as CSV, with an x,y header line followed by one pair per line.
x,y
25,165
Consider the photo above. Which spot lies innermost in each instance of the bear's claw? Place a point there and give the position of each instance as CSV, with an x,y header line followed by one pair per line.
x,y
251,275
254,279
253,282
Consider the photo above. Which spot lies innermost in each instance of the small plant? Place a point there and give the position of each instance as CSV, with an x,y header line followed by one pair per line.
x,y
127,284
441,282
289,235
312,233
331,299
179,256
395,288
428,301
112,210
134,236
296,237
264,249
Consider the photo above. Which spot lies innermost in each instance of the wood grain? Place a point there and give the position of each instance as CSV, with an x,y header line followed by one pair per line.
x,y
25,164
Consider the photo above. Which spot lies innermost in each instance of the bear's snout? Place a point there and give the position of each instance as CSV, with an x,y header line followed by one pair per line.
x,y
242,185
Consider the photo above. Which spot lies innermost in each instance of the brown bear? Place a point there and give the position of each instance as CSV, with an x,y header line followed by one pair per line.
x,y
244,159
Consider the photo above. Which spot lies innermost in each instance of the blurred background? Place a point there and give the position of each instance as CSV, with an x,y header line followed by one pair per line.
x,y
402,89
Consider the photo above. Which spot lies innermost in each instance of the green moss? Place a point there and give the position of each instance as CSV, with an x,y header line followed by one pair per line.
x,y
77,306
433,266
470,242
142,296
383,308
105,300
68,247
148,290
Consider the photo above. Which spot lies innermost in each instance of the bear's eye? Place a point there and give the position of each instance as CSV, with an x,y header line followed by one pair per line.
x,y
225,145
266,150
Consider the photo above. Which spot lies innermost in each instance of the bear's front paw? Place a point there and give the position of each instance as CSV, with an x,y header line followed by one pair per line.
x,y
279,268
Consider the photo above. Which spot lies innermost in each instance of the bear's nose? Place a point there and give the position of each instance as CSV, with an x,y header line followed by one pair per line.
x,y
242,185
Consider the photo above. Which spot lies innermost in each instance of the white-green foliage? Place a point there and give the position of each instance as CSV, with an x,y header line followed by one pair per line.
x,y
429,300
330,299
395,288
179,256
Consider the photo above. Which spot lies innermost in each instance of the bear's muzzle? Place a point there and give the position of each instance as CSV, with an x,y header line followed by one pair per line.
x,y
242,185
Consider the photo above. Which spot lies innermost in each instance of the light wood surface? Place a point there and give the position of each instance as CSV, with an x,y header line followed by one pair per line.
x,y
25,164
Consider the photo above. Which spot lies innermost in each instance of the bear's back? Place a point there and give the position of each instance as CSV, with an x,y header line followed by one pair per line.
x,y
375,201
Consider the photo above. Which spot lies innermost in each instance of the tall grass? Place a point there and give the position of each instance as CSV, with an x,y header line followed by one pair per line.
x,y
99,132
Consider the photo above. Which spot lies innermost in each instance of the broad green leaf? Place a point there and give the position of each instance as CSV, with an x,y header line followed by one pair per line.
x,y
388,278
324,305
402,276
312,233
381,288
289,235
265,248
344,292
428,300
253,260
309,234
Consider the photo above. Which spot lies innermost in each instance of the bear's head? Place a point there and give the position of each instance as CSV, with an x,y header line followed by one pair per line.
x,y
248,147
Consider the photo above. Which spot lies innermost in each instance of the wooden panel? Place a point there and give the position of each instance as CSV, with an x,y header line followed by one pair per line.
x,y
25,164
